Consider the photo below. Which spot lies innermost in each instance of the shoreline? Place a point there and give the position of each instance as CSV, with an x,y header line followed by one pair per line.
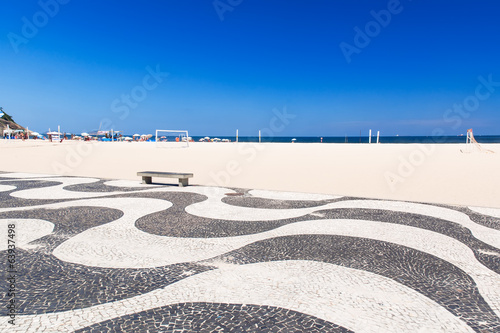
x,y
428,173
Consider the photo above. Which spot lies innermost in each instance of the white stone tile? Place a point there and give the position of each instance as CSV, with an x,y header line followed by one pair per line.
x,y
25,231
6,188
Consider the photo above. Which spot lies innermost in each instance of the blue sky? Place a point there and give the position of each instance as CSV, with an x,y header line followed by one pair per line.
x,y
230,63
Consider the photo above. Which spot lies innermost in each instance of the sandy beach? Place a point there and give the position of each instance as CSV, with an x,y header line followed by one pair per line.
x,y
437,173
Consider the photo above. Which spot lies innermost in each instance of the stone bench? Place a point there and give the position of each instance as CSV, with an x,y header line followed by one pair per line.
x,y
147,176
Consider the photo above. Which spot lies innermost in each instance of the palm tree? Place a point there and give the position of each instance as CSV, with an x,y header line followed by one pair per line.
x,y
5,116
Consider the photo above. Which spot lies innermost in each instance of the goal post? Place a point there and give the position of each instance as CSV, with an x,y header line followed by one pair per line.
x,y
172,138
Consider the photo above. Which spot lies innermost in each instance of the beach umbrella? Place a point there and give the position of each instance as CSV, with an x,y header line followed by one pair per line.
x,y
136,135
294,139
85,134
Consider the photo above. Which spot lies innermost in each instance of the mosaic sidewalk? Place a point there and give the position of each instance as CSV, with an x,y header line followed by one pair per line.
x,y
92,255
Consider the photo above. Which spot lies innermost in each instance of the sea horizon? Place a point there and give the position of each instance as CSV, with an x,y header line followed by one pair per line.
x,y
452,139
397,139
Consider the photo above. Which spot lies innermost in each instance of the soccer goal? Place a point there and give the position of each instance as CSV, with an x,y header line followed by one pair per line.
x,y
172,138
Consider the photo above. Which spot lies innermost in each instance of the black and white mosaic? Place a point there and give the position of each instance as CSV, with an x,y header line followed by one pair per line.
x,y
486,254
435,278
97,255
10,186
176,222
488,221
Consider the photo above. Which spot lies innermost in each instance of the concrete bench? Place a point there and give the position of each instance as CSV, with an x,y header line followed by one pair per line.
x,y
148,175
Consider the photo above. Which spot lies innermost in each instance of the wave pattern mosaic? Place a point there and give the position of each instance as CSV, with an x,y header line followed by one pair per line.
x,y
92,255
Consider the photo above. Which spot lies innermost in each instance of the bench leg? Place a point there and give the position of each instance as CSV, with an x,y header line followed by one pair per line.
x,y
146,180
183,182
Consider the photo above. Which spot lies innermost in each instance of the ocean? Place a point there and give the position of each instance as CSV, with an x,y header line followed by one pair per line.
x,y
352,139
362,139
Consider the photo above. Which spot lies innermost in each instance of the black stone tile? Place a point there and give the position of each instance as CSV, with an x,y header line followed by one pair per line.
x,y
246,200
218,317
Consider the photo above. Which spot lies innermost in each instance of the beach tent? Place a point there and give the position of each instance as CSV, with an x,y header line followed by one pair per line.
x,y
34,134
8,132
56,136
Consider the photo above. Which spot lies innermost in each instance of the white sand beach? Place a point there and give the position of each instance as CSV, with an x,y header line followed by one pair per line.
x,y
432,173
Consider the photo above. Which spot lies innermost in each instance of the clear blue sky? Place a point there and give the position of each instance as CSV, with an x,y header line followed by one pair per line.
x,y
230,73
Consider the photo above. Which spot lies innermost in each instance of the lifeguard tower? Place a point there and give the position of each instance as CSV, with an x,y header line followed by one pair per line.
x,y
472,145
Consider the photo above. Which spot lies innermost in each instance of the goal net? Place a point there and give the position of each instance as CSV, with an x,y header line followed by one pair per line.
x,y
172,138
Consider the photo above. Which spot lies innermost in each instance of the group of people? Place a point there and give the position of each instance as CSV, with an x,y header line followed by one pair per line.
x,y
15,135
